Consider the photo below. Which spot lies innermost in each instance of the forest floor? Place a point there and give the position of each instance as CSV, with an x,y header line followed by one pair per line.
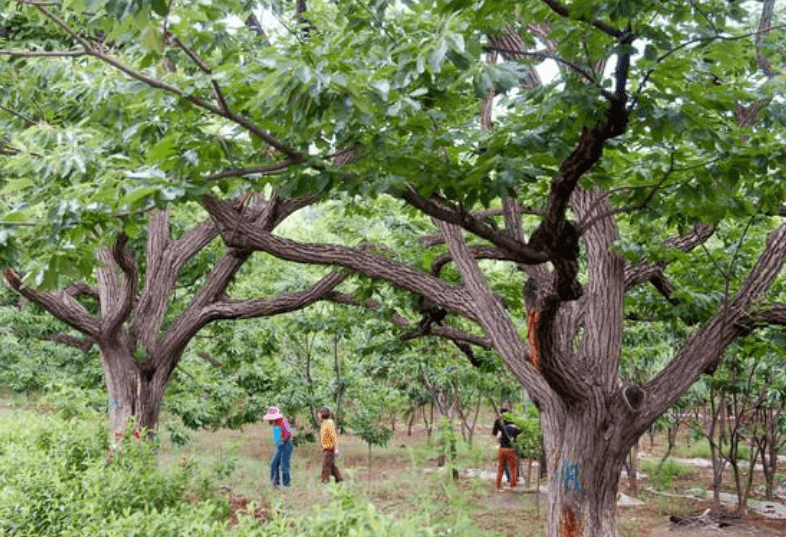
x,y
403,477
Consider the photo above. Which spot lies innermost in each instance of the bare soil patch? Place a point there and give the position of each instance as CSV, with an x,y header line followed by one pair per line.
x,y
403,477
720,526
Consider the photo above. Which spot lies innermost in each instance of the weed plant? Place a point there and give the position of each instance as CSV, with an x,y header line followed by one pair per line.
x,y
664,473
697,450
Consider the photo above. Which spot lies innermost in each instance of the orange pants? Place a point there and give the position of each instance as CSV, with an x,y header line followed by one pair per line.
x,y
507,456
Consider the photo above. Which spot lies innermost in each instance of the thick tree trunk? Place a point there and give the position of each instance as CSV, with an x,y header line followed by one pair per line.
x,y
590,422
585,460
135,393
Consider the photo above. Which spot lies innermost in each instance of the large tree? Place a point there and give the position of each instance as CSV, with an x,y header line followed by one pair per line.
x,y
140,338
651,147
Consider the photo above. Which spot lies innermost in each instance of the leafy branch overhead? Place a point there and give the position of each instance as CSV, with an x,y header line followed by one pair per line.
x,y
529,179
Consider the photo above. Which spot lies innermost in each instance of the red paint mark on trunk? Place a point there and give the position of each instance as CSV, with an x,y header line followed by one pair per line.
x,y
569,523
13,278
533,319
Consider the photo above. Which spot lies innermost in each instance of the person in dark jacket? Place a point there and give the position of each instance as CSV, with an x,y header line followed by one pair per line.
x,y
507,458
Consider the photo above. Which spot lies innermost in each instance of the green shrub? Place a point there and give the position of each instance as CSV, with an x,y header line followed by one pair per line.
x,y
32,365
529,440
56,477
56,480
203,520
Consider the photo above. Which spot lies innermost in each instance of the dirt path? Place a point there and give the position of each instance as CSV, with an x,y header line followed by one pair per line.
x,y
762,523
743,529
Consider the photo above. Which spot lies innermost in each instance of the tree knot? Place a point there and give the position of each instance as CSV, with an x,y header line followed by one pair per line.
x,y
633,396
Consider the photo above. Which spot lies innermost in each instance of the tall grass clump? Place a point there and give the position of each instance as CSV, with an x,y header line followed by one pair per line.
x,y
663,473
697,450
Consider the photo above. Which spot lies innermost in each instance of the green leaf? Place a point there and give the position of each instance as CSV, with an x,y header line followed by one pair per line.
x,y
437,56
382,87
161,7
133,196
16,185
152,40
164,149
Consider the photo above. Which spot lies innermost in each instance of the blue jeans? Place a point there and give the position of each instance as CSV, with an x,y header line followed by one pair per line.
x,y
280,462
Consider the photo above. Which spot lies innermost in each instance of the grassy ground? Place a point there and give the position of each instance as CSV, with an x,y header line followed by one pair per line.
x,y
403,478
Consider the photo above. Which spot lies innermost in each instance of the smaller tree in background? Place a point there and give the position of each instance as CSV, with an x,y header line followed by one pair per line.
x,y
447,447
731,400
767,427
371,404
769,430
368,423
747,414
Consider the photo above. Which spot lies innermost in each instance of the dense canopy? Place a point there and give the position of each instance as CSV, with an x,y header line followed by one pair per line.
x,y
620,160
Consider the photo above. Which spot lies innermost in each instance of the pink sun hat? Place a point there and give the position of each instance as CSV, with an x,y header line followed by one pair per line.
x,y
273,413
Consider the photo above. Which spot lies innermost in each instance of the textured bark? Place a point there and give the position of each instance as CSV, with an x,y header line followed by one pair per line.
x,y
139,353
590,421
240,233
135,393
704,350
585,459
569,365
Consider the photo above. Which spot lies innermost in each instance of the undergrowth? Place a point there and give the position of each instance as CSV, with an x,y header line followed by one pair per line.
x,y
664,473
60,478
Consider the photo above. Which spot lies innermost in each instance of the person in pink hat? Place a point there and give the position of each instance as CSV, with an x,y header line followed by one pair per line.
x,y
282,438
